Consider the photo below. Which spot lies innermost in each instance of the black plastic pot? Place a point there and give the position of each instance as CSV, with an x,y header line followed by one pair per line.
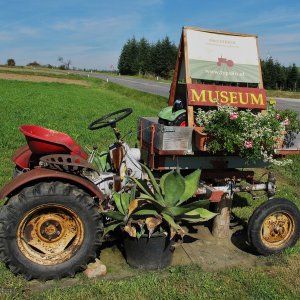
x,y
148,253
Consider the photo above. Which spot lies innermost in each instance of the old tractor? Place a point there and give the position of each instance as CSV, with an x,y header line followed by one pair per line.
x,y
51,224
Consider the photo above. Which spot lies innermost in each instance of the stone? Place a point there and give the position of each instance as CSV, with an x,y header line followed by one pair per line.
x,y
95,269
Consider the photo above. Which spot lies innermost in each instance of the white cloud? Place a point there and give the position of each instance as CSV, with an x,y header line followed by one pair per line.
x,y
283,38
27,31
83,25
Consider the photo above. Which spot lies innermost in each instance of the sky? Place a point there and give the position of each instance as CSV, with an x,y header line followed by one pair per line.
x,y
91,33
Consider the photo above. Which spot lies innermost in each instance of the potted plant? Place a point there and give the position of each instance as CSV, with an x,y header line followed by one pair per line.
x,y
250,135
150,216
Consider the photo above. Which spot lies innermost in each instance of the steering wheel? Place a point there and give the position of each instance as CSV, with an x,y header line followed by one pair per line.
x,y
108,121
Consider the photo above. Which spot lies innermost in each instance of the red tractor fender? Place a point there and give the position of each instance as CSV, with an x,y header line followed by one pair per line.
x,y
39,174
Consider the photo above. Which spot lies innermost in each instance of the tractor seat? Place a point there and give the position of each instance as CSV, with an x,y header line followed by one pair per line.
x,y
44,141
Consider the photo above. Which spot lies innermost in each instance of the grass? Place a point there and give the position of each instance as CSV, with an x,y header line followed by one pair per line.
x,y
70,108
67,108
283,94
42,71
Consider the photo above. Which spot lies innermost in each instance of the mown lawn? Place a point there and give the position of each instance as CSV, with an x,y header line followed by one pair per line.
x,y
70,108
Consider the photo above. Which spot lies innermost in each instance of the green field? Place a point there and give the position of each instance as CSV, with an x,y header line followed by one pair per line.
x,y
70,108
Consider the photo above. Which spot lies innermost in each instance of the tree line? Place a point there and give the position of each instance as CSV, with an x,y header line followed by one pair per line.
x,y
140,57
278,77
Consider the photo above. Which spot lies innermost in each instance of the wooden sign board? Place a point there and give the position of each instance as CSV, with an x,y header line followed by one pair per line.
x,y
218,67
210,95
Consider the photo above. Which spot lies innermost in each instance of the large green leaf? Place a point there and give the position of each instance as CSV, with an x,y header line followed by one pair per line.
x,y
174,227
153,180
146,212
180,210
191,185
195,204
174,187
125,199
142,185
111,228
171,221
193,219
114,215
132,193
156,203
117,198
197,215
202,212
162,182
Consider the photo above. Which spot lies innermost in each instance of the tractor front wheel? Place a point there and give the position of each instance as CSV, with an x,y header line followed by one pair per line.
x,y
50,230
274,226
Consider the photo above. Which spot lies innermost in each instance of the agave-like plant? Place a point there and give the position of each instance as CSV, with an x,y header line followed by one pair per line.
x,y
168,199
158,204
130,214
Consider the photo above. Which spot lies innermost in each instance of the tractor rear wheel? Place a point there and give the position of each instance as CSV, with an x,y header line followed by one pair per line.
x,y
274,226
179,121
49,230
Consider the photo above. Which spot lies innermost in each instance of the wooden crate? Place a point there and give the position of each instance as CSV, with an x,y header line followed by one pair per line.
x,y
165,138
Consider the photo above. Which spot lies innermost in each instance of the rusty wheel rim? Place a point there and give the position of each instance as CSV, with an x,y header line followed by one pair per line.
x,y
50,234
277,229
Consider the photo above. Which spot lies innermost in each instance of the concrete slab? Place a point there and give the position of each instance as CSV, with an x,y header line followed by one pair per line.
x,y
199,247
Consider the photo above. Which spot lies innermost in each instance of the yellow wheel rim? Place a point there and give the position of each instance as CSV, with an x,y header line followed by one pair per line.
x,y
277,229
50,234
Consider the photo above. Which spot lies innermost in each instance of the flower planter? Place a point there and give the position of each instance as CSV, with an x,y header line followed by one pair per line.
x,y
201,139
148,253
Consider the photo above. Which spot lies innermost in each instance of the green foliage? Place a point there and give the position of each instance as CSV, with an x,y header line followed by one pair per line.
x,y
159,206
279,77
243,133
169,199
128,214
11,62
34,64
128,62
141,57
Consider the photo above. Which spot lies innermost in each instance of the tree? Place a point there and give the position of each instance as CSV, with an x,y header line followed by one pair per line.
x,y
292,78
11,62
143,56
65,65
169,53
128,61
33,64
277,76
163,57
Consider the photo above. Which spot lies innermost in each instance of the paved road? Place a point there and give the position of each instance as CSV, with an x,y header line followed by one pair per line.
x,y
162,89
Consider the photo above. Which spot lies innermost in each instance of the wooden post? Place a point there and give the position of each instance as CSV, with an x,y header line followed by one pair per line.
x,y
221,221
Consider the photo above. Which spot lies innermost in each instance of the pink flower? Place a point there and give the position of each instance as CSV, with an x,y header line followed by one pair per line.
x,y
286,122
233,116
248,144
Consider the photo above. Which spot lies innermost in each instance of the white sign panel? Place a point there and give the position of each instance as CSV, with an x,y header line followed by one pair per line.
x,y
222,57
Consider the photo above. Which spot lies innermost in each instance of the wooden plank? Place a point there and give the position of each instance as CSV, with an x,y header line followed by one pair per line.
x,y
261,83
186,59
220,32
190,115
174,83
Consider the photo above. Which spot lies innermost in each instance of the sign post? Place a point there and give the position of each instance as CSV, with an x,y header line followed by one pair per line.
x,y
217,67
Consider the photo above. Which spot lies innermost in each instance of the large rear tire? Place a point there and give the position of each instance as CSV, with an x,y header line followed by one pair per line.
x,y
179,121
274,226
49,230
